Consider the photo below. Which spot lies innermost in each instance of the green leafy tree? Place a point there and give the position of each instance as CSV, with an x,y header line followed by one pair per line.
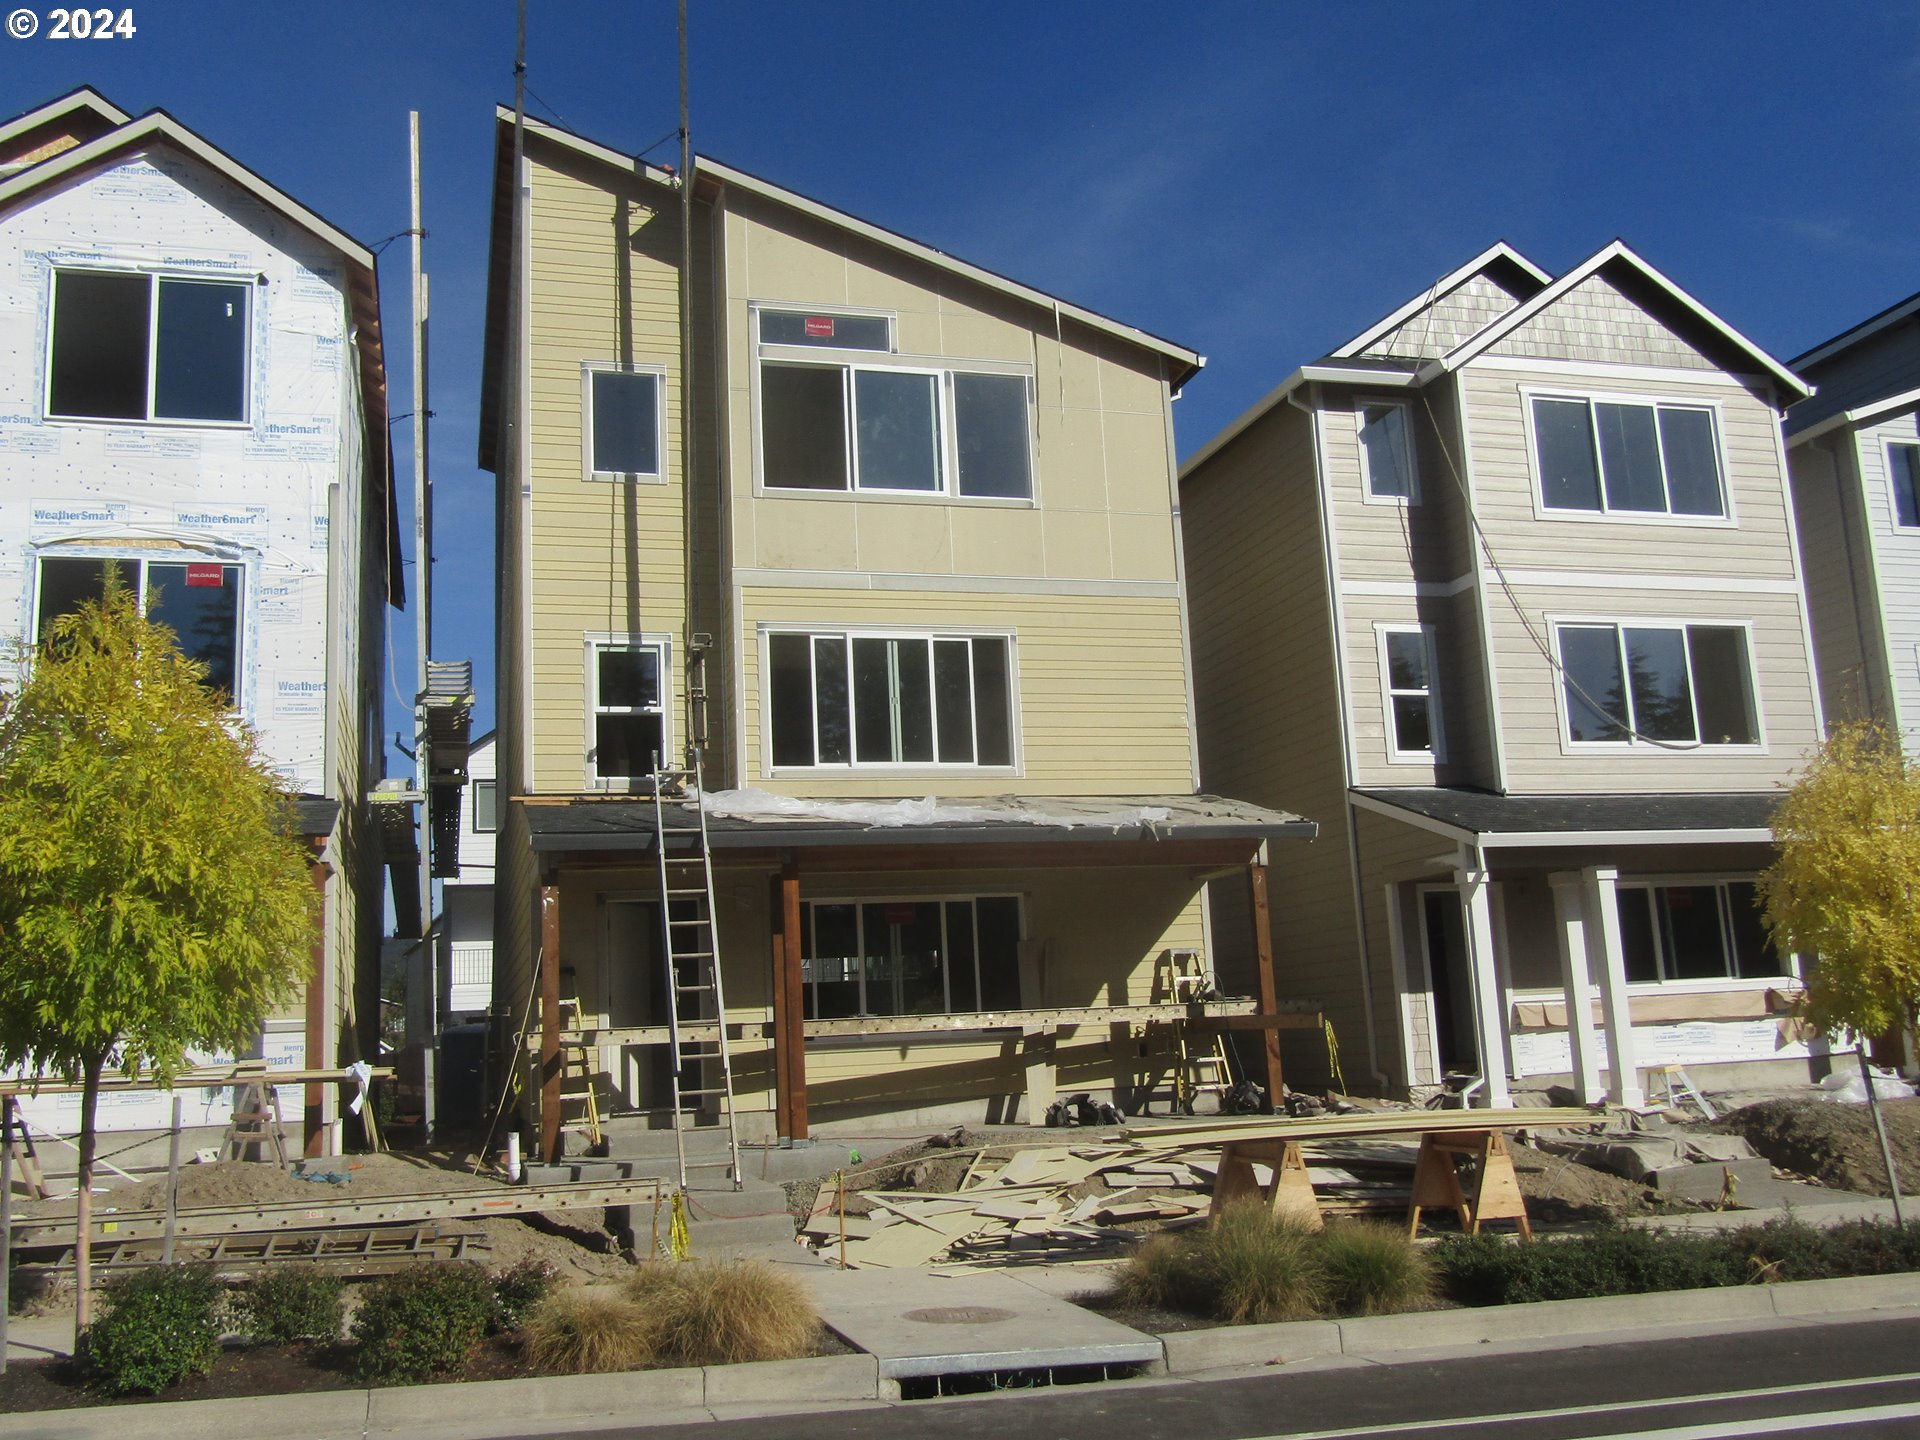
x,y
152,896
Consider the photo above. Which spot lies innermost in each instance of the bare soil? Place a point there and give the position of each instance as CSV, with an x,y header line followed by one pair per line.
x,y
1562,1191
1833,1144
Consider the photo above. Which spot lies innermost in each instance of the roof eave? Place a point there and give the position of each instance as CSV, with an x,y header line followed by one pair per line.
x,y
1862,415
1305,375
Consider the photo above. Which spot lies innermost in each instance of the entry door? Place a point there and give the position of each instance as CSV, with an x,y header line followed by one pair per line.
x,y
634,989
1449,979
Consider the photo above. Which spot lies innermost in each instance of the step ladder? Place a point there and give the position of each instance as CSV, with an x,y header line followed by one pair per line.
x,y
576,1077
700,1067
255,1125
1676,1088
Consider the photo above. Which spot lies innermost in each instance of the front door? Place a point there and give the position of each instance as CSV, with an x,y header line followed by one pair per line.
x,y
1449,979
634,991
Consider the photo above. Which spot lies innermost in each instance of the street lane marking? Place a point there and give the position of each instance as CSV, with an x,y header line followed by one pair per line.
x,y
1772,1424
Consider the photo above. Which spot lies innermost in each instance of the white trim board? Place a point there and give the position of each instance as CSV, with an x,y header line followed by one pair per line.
x,y
1405,589
762,577
1601,371
1864,415
1615,580
1444,286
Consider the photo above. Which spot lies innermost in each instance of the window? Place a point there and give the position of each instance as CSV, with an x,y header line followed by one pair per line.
x,y
1406,667
911,956
486,802
871,700
1628,457
1903,473
1704,931
626,701
1667,684
147,347
199,601
1386,452
624,423
883,424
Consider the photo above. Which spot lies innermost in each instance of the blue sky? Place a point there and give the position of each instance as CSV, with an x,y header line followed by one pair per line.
x,y
1256,181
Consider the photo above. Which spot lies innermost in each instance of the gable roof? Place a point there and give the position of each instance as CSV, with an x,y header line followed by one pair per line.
x,y
1862,415
1497,256
87,112
1618,253
1872,325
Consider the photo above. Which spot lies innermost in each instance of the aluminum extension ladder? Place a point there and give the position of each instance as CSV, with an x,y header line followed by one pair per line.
x,y
700,1066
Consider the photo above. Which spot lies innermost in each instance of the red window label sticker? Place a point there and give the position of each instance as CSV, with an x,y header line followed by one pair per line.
x,y
820,327
208,575
900,914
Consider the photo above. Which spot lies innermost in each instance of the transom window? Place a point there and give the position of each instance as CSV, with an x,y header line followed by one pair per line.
x,y
1628,457
1407,665
1706,931
886,424
911,956
624,423
131,346
1903,474
878,700
200,601
1661,684
627,710
1386,451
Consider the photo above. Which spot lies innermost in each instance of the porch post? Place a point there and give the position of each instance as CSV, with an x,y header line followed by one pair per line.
x,y
550,1022
790,965
1571,931
1606,955
777,983
319,1053
1269,989
1489,1000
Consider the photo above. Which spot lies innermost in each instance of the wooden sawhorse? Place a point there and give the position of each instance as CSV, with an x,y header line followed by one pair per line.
x,y
1289,1193
1496,1188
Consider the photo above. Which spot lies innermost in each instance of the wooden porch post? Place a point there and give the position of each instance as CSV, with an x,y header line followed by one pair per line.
x,y
550,1022
796,1033
318,1052
1269,990
777,978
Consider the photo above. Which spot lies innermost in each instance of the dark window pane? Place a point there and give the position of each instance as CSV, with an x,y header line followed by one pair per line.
x,y
830,700
1406,660
1636,935
68,582
897,430
625,745
953,699
1595,689
872,702
1569,478
200,356
790,697
961,980
1690,926
1412,724
992,703
630,679
803,427
903,958
1723,685
990,429
832,968
1630,457
998,918
626,423
486,803
1753,952
834,332
1904,462
1693,462
1662,693
99,345
1384,438
200,603
913,679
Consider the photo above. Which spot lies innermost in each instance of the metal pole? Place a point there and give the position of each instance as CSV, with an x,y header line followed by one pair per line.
x,y
1880,1129
173,1186
6,1220
423,612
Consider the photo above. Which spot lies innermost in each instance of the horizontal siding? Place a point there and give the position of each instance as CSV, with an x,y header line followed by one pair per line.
x,y
1397,855
1837,564
1872,369
1595,321
1897,556
1387,541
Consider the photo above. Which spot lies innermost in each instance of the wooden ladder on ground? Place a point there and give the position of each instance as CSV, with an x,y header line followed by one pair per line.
x,y
1200,1062
700,1067
576,1076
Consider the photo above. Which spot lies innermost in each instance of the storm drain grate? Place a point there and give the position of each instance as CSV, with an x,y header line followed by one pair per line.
x,y
1039,1377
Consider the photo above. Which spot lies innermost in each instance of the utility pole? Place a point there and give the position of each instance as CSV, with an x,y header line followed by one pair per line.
x,y
423,634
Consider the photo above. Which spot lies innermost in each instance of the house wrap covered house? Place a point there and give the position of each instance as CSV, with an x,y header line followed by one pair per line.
x,y
192,398
927,551
1505,592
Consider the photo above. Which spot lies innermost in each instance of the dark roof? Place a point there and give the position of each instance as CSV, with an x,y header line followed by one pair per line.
x,y
315,814
628,824
1481,812
1389,365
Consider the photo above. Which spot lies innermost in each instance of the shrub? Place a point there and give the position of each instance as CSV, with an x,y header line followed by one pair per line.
x,y
518,1289
708,1313
1154,1277
421,1322
1483,1270
159,1327
1375,1269
1254,1267
292,1303
584,1330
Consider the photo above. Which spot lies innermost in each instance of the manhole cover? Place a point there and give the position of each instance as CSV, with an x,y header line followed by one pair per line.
x,y
960,1315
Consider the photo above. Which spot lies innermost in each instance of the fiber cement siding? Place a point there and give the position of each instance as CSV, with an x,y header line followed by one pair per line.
x,y
1871,369
1435,329
1836,557
1897,562
1594,321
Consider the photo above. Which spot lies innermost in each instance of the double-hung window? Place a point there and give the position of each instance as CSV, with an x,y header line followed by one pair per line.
x,y
1629,457
627,710
1386,451
855,416
128,345
624,423
1708,930
850,699
1406,669
899,956
1655,683
1903,476
199,601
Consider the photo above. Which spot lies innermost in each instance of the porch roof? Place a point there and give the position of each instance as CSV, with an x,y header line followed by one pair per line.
x,y
1494,820
627,822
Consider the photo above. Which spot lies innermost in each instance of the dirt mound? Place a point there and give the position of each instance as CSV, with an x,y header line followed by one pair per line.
x,y
1833,1143
1558,1189
244,1182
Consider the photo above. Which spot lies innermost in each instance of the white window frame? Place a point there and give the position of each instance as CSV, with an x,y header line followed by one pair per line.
x,y
154,278
1395,755
588,369
1633,745
1888,446
814,631
1718,879
1361,405
847,362
1590,398
808,961
473,810
594,643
